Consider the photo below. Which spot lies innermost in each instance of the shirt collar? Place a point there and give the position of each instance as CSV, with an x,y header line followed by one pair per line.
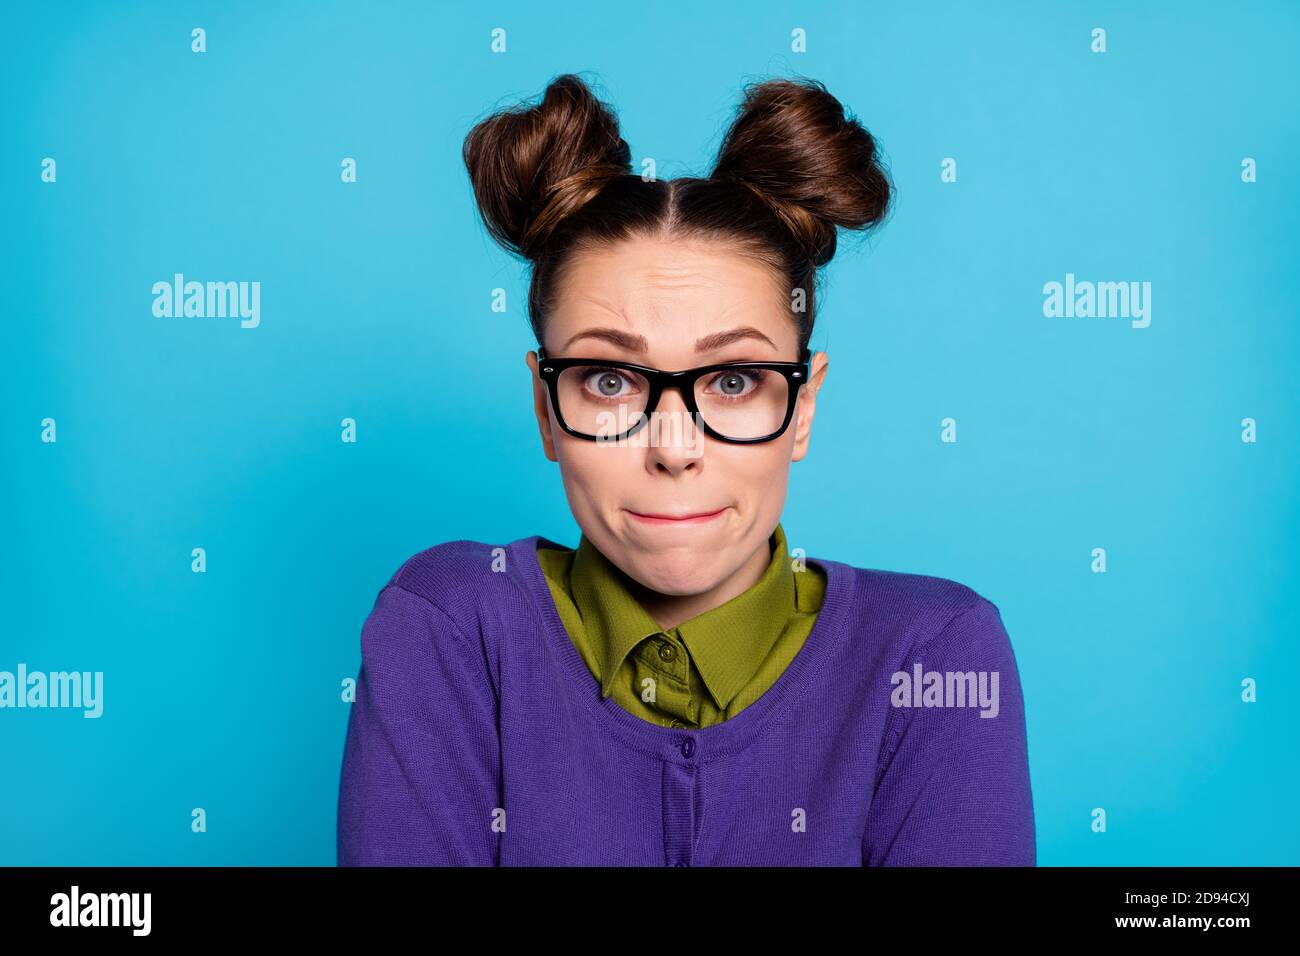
x,y
727,643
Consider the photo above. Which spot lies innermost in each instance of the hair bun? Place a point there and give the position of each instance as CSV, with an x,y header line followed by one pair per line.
x,y
793,147
533,166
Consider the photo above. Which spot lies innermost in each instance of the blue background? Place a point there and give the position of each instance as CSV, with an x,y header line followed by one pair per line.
x,y
222,690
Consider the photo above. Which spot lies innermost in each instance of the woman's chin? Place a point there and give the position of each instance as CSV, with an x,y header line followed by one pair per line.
x,y
671,570
679,580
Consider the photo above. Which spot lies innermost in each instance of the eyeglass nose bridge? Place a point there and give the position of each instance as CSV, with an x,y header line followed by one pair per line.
x,y
682,382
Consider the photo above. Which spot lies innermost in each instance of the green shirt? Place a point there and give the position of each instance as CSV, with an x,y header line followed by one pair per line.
x,y
705,670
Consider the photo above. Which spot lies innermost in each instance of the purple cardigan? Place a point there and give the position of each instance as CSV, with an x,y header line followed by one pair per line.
x,y
479,737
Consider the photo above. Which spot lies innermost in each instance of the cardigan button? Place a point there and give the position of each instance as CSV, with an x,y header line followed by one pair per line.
x,y
688,747
667,652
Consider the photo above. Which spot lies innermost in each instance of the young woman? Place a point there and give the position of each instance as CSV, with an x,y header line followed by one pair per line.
x,y
680,689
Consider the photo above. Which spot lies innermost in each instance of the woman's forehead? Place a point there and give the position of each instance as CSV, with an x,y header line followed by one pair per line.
x,y
654,289
659,262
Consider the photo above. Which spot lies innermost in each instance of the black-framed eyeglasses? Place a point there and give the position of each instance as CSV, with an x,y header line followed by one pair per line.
x,y
739,402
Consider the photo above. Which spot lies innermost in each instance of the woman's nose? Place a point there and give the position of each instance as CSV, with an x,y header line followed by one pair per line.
x,y
675,438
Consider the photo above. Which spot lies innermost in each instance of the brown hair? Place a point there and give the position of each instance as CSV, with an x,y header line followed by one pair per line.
x,y
555,178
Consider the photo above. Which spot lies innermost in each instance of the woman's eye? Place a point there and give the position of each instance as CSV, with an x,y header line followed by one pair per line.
x,y
733,384
607,382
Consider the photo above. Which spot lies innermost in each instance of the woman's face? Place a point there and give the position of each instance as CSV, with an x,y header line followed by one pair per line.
x,y
658,302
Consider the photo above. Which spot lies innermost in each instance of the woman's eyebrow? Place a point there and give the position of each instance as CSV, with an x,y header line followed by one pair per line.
x,y
711,343
626,340
637,343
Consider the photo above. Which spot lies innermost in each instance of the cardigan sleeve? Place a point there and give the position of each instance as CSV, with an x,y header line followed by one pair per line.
x,y
953,785
420,784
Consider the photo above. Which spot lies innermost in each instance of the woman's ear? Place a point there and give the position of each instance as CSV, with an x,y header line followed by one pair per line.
x,y
541,407
807,406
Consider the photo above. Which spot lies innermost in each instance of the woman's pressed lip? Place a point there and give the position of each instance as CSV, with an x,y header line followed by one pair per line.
x,y
676,519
